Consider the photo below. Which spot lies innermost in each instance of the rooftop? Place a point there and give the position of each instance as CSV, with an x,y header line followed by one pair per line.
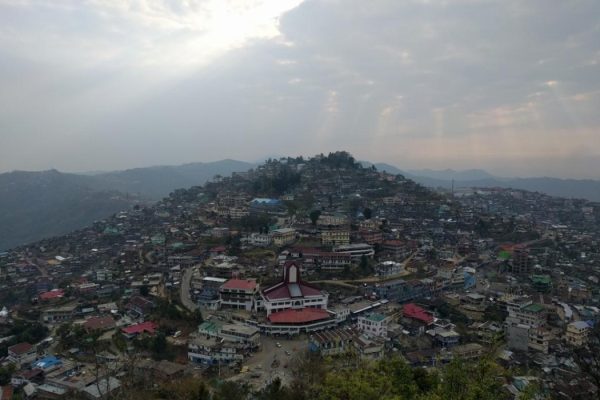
x,y
240,284
300,316
415,312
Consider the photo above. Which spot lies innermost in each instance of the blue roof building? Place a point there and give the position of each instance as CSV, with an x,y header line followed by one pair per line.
x,y
47,363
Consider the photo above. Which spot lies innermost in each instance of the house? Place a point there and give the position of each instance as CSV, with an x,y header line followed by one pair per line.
x,y
213,351
239,294
99,324
373,324
22,353
284,236
389,268
577,333
47,364
161,370
369,348
60,314
139,306
331,342
132,331
102,388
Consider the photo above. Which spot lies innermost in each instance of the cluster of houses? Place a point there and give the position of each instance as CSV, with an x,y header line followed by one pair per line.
x,y
350,258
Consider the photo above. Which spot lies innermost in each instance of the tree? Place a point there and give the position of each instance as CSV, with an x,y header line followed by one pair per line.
x,y
368,213
144,290
364,265
314,216
159,345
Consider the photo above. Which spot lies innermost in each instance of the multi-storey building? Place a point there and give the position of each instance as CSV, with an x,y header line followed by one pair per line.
x,y
283,236
239,294
373,324
577,333
335,237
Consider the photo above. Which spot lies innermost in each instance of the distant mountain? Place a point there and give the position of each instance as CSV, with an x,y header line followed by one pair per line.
x,y
449,174
35,205
569,188
157,182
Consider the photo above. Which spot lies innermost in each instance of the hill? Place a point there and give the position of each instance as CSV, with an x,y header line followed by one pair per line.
x,y
157,182
35,205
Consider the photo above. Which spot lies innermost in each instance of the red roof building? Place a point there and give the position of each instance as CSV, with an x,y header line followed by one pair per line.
x,y
52,295
415,312
292,292
239,294
148,327
300,316
240,284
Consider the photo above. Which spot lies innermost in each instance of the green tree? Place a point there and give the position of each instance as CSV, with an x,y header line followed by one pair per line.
x,y
314,216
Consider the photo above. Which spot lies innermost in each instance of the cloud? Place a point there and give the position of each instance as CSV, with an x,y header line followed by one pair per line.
x,y
118,84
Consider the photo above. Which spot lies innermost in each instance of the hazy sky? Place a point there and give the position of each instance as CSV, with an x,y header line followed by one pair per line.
x,y
512,86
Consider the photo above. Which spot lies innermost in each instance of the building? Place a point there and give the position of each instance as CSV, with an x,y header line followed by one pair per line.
x,y
521,261
371,237
389,268
331,342
577,333
369,348
213,351
60,314
266,206
292,293
373,324
258,239
284,236
209,296
244,334
99,324
335,237
144,328
356,251
22,353
530,314
239,294
139,306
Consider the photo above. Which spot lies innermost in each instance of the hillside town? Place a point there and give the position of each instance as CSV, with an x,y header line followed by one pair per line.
x,y
238,278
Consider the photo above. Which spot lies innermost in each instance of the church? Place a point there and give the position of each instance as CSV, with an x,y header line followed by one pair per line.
x,y
292,293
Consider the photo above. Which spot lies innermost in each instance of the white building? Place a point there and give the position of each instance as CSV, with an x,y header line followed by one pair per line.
x,y
356,251
258,239
373,324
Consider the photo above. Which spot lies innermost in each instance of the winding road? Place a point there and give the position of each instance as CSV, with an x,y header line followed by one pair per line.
x,y
186,297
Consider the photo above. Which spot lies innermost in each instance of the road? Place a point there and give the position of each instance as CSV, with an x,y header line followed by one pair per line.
x,y
186,298
261,363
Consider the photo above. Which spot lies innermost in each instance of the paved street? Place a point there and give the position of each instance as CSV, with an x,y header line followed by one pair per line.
x,y
186,298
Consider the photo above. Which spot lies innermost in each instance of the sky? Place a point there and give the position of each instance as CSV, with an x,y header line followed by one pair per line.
x,y
510,86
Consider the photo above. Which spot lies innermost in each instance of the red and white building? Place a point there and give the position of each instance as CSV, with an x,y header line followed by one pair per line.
x,y
292,293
